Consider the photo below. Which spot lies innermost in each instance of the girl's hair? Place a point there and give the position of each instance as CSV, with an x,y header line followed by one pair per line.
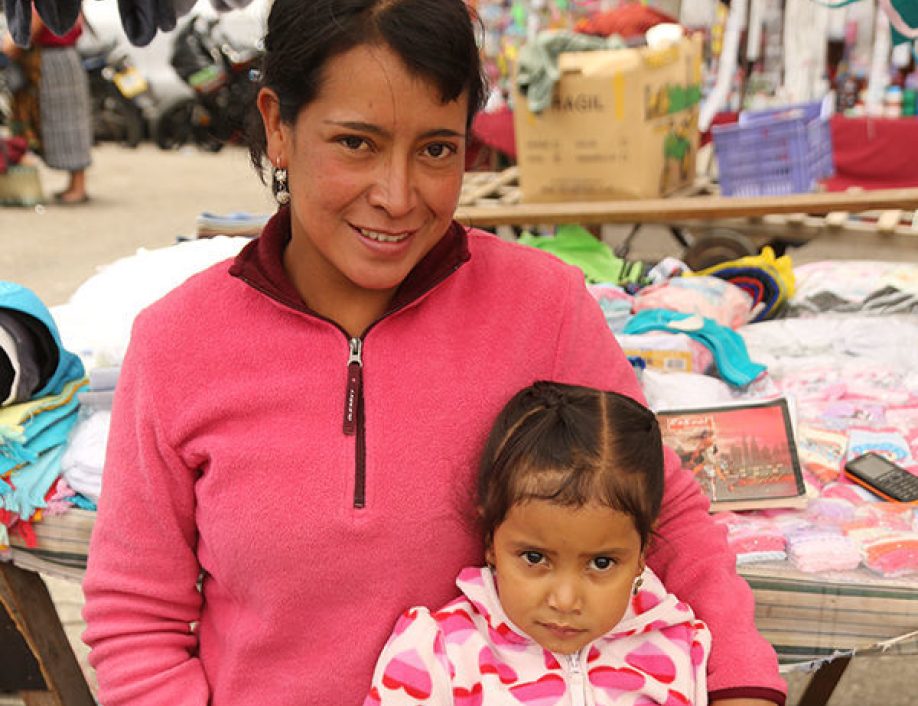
x,y
434,38
572,445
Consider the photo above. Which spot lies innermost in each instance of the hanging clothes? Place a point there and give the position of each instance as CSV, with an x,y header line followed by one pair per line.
x,y
141,19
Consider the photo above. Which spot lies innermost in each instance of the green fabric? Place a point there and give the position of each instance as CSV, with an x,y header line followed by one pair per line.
x,y
580,248
537,64
908,10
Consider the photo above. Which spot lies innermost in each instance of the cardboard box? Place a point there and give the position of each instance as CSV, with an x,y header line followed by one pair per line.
x,y
623,125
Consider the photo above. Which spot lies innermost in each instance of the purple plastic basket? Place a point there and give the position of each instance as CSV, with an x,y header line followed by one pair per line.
x,y
771,152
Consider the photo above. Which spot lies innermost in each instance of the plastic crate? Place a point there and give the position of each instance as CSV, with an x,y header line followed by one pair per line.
x,y
771,152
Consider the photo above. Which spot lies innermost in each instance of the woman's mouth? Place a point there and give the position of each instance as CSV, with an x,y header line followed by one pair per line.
x,y
381,237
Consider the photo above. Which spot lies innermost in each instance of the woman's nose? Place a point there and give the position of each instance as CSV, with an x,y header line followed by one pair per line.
x,y
393,188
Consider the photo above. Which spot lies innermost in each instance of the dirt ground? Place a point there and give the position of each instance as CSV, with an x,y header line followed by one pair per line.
x,y
146,198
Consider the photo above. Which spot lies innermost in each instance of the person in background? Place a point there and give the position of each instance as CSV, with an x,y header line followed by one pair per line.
x,y
295,432
60,126
569,489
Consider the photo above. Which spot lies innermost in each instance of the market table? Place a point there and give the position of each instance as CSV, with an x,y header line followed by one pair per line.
x,y
813,620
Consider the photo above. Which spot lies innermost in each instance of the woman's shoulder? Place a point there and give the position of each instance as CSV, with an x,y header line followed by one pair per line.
x,y
515,260
192,302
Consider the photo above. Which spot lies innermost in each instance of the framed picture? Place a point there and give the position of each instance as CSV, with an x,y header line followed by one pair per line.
x,y
743,456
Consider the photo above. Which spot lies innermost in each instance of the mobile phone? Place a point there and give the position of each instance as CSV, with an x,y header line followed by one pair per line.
x,y
883,477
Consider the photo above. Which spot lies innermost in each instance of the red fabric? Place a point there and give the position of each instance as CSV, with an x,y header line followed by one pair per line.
x,y
47,38
496,131
874,153
724,118
11,151
630,19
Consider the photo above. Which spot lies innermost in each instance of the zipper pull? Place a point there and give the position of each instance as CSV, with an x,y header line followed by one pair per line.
x,y
352,393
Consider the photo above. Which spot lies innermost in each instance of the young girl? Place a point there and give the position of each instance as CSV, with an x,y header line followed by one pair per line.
x,y
566,612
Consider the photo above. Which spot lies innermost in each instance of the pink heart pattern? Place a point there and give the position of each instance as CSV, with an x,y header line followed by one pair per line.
x,y
406,619
616,680
644,601
653,661
468,697
439,650
503,636
488,663
674,698
406,671
550,661
457,626
697,653
680,635
547,691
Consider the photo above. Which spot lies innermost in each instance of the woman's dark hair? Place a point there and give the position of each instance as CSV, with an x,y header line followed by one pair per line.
x,y
572,445
434,38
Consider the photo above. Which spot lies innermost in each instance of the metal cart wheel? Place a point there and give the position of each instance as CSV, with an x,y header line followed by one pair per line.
x,y
715,246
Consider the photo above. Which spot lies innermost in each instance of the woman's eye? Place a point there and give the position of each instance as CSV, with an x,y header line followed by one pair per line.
x,y
439,150
602,563
352,142
533,558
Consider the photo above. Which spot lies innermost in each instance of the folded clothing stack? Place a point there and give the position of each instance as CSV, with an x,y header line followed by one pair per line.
x,y
39,381
888,552
815,549
237,223
82,463
33,362
752,538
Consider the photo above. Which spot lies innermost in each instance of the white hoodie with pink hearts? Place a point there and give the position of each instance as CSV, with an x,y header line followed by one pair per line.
x,y
469,654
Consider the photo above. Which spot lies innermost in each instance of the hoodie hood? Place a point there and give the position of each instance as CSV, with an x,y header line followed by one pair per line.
x,y
31,351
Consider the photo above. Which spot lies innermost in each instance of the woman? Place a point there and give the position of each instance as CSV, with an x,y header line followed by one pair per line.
x,y
63,133
298,428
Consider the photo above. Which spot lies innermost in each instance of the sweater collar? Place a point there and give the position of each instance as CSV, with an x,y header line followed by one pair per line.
x,y
261,264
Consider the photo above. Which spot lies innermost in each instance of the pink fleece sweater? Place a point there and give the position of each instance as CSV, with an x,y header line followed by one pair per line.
x,y
228,461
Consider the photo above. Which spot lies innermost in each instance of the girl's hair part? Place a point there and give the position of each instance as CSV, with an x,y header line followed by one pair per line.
x,y
573,446
436,39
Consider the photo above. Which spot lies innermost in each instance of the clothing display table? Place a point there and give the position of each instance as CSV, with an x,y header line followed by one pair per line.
x,y
811,619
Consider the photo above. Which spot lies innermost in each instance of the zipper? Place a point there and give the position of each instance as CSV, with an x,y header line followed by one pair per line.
x,y
576,680
353,399
353,418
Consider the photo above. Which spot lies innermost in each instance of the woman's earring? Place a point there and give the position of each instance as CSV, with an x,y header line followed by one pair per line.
x,y
638,582
279,186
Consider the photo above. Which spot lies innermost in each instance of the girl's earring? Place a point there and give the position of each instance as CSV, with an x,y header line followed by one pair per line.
x,y
279,186
638,582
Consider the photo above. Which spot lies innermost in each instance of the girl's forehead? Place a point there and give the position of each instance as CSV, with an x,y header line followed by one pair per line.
x,y
587,528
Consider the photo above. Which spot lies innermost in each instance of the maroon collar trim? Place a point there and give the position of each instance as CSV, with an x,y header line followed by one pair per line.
x,y
260,264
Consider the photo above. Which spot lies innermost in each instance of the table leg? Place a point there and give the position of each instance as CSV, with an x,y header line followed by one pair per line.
x,y
823,682
26,599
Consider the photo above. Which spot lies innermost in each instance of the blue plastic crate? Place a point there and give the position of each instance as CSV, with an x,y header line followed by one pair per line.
x,y
771,152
